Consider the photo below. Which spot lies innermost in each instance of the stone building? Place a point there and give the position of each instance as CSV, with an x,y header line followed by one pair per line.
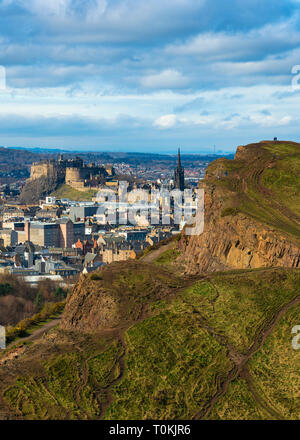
x,y
61,234
8,237
73,172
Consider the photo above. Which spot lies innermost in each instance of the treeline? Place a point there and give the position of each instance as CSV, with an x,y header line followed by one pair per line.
x,y
19,301
48,311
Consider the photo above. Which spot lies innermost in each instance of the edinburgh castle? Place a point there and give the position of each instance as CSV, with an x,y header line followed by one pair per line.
x,y
72,172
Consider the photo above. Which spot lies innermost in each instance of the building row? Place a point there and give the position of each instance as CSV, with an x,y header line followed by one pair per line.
x,y
61,233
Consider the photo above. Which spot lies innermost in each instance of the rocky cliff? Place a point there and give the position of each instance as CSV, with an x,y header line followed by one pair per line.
x,y
115,296
249,220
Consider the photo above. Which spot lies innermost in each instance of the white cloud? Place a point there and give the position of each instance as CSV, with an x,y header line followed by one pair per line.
x,y
57,8
167,79
96,13
269,39
166,121
198,120
286,120
271,120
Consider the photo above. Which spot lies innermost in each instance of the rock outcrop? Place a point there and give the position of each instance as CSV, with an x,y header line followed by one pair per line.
x,y
115,296
235,242
231,238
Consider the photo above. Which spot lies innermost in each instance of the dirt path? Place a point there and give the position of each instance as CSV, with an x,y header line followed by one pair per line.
x,y
36,334
149,258
240,367
246,375
121,364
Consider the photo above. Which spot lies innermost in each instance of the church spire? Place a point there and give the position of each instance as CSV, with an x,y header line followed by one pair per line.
x,y
179,159
179,174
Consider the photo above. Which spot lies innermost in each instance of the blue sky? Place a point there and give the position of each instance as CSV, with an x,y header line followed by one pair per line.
x,y
139,75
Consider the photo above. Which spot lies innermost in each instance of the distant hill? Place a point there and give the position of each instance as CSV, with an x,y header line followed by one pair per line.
x,y
15,162
147,158
129,157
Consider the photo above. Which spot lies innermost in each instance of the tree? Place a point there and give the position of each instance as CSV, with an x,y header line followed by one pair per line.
x,y
38,299
59,292
5,289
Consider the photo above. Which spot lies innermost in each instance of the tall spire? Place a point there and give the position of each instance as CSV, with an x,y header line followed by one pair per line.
x,y
179,159
179,174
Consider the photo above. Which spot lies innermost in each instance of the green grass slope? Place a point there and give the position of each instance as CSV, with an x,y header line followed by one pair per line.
x,y
67,192
213,347
263,182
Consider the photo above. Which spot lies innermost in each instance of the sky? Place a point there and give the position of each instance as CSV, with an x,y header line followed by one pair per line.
x,y
148,75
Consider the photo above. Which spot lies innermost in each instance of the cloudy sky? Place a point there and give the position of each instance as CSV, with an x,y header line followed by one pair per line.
x,y
148,75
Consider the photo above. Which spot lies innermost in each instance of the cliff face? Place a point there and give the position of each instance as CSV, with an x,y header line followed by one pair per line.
x,y
90,308
233,239
115,296
235,242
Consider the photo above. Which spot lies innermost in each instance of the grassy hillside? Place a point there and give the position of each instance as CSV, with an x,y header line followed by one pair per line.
x,y
263,181
67,192
144,340
213,347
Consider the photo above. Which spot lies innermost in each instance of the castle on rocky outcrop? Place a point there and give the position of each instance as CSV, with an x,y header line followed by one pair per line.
x,y
73,172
